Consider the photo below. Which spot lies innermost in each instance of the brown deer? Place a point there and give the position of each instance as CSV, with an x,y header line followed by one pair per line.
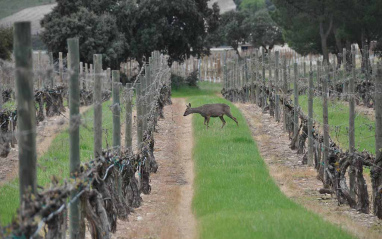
x,y
211,110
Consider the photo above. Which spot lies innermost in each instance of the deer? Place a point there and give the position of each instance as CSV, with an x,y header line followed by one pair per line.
x,y
211,110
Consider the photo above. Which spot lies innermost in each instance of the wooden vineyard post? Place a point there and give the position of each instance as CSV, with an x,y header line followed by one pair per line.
x,y
139,113
334,69
376,170
51,71
39,79
225,75
76,222
68,66
351,92
147,93
320,73
246,80
310,117
97,102
304,68
116,109
61,67
150,90
143,100
25,108
326,123
285,91
269,66
92,78
365,57
257,80
81,75
270,87
296,106
345,84
253,78
1,96
129,118
116,114
234,81
277,85
86,77
263,90
108,79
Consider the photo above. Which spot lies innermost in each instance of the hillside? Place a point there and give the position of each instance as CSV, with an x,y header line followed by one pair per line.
x,y
9,7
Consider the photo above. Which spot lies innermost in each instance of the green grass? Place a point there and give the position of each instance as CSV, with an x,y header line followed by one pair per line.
x,y
235,197
9,105
339,116
9,7
56,160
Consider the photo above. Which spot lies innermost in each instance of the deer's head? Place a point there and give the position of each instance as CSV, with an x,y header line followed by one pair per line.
x,y
188,111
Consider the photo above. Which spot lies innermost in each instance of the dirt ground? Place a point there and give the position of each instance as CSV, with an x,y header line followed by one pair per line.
x,y
298,181
166,212
47,130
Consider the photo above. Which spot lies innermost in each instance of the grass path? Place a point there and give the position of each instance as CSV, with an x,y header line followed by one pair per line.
x,y
235,197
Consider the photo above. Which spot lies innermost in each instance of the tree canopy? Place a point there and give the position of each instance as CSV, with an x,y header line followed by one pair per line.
x,y
6,42
327,26
124,29
251,23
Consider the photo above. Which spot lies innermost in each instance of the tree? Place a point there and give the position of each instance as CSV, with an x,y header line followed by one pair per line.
x,y
263,30
125,29
317,12
6,42
337,23
232,30
178,28
98,34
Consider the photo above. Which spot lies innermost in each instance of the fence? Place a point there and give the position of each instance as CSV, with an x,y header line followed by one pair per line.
x,y
266,80
106,187
209,67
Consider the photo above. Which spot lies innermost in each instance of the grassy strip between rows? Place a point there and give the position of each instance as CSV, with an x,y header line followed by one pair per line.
x,y
56,160
9,7
339,116
235,197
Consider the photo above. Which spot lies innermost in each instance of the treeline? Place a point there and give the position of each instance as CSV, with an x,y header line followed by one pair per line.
x,y
131,29
309,27
327,26
252,23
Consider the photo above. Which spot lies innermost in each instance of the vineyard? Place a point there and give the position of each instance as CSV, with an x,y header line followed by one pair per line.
x,y
96,179
332,147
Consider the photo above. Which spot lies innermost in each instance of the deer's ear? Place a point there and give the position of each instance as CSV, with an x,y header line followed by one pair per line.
x,y
189,104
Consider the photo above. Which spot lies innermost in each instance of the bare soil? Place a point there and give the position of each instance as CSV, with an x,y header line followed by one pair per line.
x,y
47,131
299,181
166,212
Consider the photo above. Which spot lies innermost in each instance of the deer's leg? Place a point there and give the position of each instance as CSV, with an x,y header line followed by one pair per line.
x,y
222,119
234,119
205,120
208,121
